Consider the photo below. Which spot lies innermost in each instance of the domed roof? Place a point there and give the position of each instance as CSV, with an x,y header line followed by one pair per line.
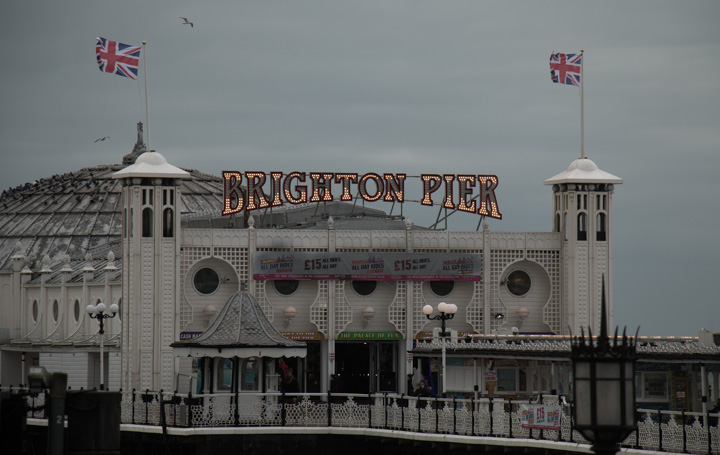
x,y
152,164
79,212
583,170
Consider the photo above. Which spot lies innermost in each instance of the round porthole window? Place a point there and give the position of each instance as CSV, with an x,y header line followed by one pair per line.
x,y
442,288
518,283
286,287
364,287
206,281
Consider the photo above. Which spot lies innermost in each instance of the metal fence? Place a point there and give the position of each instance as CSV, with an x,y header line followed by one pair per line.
x,y
670,431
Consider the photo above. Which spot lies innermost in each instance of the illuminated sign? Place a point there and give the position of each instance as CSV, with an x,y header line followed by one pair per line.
x,y
296,188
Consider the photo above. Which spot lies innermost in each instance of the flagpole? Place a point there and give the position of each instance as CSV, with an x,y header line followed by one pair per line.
x,y
147,111
582,107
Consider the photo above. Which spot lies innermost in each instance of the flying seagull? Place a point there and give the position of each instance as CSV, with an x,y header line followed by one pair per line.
x,y
186,21
102,138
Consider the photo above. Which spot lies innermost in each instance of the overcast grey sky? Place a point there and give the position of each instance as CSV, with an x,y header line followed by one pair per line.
x,y
420,86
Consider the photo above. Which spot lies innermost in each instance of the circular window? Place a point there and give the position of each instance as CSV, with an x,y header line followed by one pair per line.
x,y
518,283
35,311
286,287
442,288
56,310
206,281
76,310
364,287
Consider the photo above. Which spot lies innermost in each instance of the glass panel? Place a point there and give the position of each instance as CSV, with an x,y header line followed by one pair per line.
x,y
224,375
582,370
506,380
656,384
250,374
582,403
608,370
609,407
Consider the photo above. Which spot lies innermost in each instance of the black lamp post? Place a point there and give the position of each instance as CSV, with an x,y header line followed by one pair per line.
x,y
604,387
447,312
98,312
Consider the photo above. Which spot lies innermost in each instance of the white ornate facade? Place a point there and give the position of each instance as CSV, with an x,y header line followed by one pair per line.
x,y
150,264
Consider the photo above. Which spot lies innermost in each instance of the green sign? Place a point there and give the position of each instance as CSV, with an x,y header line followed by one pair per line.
x,y
369,336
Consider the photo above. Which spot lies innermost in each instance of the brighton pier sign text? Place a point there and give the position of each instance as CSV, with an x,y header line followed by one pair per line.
x,y
464,192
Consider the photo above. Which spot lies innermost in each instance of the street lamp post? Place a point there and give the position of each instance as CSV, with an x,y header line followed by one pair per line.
x,y
447,311
604,387
98,312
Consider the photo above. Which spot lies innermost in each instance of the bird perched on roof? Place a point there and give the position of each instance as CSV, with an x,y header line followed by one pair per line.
x,y
102,139
186,21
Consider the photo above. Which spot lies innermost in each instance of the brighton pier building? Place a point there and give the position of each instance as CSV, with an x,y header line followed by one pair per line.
x,y
210,303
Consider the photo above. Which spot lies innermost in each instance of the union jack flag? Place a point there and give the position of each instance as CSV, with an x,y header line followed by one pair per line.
x,y
118,58
565,68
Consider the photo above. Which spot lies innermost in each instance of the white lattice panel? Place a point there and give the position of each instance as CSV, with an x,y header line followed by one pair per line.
x,y
396,312
475,308
343,310
319,308
499,260
550,261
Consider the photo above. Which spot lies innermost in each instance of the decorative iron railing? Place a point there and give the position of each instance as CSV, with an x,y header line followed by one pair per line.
x,y
657,430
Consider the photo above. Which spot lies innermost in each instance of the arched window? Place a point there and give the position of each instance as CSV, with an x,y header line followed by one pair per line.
x,y
565,226
582,226
557,222
147,222
168,222
601,228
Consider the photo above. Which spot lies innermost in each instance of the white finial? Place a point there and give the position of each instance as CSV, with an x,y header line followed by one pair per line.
x,y
331,223
66,267
46,264
486,225
111,261
251,221
88,263
408,223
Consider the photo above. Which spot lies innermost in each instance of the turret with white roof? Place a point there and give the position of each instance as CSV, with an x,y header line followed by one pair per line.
x,y
582,213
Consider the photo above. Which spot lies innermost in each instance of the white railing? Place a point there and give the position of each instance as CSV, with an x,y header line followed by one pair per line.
x,y
670,431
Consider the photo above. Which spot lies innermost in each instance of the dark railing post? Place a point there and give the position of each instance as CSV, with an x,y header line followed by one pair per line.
x,y
402,412
386,410
472,415
282,408
370,405
637,429
510,421
709,438
419,413
682,416
329,415
660,444
454,415
237,408
132,417
190,409
490,409
542,435
437,417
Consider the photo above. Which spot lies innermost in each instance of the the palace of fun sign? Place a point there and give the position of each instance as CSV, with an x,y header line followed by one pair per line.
x,y
465,192
274,265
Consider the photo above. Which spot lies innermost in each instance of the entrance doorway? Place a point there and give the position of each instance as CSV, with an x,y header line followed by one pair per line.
x,y
365,367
